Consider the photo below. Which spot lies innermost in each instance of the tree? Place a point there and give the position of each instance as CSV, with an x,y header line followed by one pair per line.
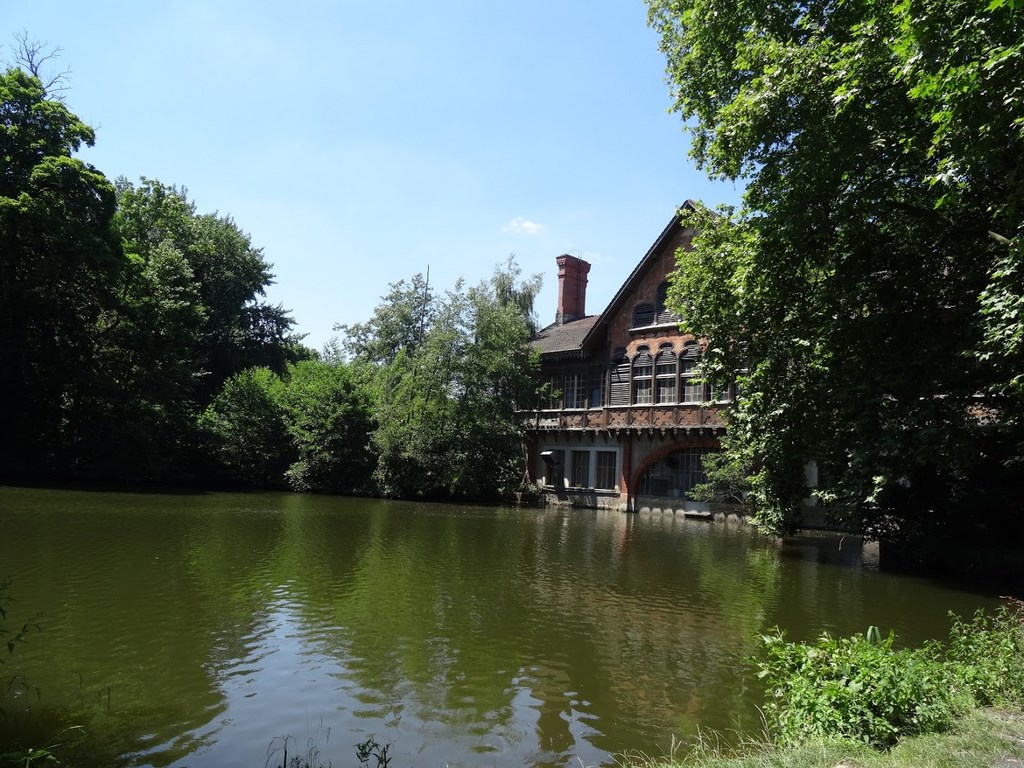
x,y
33,56
869,286
59,259
399,324
328,415
229,275
247,428
446,385
140,421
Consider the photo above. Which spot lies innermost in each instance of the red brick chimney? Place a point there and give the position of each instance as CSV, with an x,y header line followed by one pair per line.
x,y
572,289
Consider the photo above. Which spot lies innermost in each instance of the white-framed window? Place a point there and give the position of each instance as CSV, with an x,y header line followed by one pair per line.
x,y
716,394
575,390
643,377
674,475
597,387
552,392
554,467
665,375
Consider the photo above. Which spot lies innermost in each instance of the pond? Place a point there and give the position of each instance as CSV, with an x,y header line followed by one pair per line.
x,y
198,629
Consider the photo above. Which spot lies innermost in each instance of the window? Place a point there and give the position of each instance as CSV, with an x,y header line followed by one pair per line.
x,y
665,374
580,470
597,379
619,392
575,391
643,315
674,475
552,392
693,387
604,470
596,468
717,394
643,382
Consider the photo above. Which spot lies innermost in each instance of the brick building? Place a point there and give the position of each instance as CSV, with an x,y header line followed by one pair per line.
x,y
630,418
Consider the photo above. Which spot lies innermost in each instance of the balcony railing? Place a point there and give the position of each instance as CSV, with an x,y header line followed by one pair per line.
x,y
625,417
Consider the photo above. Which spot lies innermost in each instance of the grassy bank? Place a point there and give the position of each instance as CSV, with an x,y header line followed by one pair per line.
x,y
985,738
863,702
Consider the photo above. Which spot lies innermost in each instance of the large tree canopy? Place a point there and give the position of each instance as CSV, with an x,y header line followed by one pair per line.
x,y
447,375
871,286
229,275
59,261
122,310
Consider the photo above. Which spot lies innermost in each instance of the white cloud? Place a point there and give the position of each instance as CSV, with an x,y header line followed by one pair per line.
x,y
521,226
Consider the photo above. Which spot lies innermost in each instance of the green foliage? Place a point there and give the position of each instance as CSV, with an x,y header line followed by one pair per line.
x,y
229,275
728,479
986,656
247,427
865,689
59,261
311,758
328,415
869,288
855,688
122,310
399,323
371,749
446,389
309,430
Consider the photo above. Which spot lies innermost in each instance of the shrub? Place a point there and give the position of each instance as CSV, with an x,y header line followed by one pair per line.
x,y
857,687
986,656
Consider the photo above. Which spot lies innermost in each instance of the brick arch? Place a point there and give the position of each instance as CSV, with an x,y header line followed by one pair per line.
x,y
705,443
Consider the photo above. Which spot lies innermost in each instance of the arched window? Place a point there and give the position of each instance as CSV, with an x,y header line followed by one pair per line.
x,y
643,315
674,475
693,388
665,375
643,377
662,315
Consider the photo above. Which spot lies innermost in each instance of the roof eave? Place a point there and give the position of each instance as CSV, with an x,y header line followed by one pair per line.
x,y
624,289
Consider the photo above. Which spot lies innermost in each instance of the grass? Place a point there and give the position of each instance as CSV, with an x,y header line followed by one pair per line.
x,y
860,703
986,738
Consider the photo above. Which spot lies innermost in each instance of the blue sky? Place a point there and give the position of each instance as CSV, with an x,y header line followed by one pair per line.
x,y
359,143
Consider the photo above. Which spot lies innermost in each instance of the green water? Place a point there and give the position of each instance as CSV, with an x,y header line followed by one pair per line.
x,y
192,629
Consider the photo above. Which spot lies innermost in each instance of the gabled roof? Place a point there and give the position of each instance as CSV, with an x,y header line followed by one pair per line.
x,y
652,253
564,340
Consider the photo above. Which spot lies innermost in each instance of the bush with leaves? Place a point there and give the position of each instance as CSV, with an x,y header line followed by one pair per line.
x,y
863,688
858,687
986,655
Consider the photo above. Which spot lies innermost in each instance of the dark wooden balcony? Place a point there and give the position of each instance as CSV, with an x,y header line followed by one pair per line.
x,y
685,417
